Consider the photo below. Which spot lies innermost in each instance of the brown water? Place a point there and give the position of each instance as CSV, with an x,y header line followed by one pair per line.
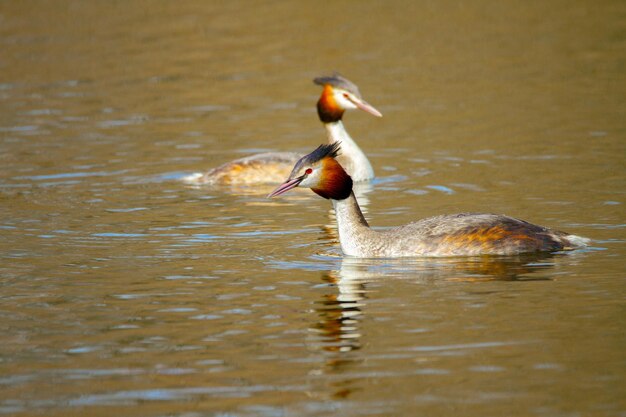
x,y
126,292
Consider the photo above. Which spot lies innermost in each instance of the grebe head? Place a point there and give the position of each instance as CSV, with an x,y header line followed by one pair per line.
x,y
339,95
320,172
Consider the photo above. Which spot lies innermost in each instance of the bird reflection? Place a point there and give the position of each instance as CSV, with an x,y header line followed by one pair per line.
x,y
523,267
337,332
246,190
340,311
339,314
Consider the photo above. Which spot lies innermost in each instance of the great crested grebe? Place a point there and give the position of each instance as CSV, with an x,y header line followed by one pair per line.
x,y
464,234
338,95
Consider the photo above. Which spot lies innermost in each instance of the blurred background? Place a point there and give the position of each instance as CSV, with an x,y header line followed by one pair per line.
x,y
126,291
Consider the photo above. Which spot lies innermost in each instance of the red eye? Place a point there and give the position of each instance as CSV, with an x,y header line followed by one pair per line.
x,y
308,171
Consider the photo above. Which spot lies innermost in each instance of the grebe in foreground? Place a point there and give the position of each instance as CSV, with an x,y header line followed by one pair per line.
x,y
338,95
464,234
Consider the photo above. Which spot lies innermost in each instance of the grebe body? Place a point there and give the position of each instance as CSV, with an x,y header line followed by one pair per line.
x,y
269,168
465,234
338,95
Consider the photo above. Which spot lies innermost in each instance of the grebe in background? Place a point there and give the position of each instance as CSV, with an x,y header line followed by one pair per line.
x,y
464,234
338,95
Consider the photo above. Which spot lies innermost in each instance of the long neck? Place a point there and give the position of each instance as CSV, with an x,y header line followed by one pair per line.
x,y
352,157
355,236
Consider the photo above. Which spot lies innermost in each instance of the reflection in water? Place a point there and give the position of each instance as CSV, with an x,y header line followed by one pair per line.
x,y
337,332
256,190
504,268
339,314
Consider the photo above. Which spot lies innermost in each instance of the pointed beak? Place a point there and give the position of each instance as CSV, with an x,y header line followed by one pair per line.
x,y
366,107
286,186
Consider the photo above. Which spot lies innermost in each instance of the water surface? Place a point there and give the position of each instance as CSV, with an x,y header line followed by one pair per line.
x,y
125,291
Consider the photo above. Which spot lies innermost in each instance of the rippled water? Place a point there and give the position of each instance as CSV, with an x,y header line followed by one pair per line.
x,y
125,291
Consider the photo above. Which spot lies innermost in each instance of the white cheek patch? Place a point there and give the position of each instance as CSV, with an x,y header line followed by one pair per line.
x,y
342,101
312,179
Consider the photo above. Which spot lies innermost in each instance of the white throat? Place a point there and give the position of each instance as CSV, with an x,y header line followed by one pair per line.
x,y
351,157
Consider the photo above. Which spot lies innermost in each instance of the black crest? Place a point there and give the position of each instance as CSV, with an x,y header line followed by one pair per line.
x,y
339,81
322,151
